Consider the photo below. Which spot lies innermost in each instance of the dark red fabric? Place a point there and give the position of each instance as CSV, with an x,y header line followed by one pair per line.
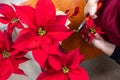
x,y
109,20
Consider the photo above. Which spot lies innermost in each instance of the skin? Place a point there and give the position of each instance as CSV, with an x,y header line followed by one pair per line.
x,y
106,47
91,8
98,41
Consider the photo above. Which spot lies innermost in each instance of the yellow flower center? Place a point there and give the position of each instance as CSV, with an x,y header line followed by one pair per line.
x,y
14,20
41,32
92,30
5,54
65,70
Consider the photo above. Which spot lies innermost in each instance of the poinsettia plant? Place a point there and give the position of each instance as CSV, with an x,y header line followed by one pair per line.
x,y
90,29
9,57
41,31
9,17
64,66
45,29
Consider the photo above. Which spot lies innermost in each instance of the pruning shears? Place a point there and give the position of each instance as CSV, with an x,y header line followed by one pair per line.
x,y
84,21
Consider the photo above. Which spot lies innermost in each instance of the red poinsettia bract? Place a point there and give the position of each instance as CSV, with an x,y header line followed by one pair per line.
x,y
9,17
44,27
90,29
9,58
41,56
65,67
44,31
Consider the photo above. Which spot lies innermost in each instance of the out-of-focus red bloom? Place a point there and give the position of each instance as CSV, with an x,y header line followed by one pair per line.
x,y
76,11
65,67
9,17
44,27
90,29
9,58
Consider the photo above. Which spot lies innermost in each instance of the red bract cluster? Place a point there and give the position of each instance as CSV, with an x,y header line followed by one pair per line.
x,y
90,29
44,31
64,67
9,58
41,32
9,17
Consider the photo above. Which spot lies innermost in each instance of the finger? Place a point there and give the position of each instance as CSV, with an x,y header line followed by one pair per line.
x,y
93,10
94,16
97,36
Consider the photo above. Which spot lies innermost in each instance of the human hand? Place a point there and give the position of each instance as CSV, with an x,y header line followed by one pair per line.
x,y
91,8
100,43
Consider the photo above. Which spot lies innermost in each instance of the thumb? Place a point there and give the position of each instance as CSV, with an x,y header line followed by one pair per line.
x,y
97,36
92,11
